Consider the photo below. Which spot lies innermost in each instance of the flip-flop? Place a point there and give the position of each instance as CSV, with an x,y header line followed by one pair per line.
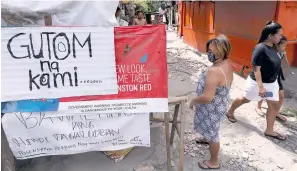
x,y
232,119
259,112
199,141
280,118
207,167
278,136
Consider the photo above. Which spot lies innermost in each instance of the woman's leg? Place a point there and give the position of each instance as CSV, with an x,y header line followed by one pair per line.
x,y
280,103
259,108
214,149
236,104
270,119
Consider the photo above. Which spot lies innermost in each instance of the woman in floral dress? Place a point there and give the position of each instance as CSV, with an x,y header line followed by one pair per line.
x,y
211,102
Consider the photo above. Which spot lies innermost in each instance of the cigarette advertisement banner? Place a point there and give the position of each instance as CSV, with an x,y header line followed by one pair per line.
x,y
33,135
141,69
55,62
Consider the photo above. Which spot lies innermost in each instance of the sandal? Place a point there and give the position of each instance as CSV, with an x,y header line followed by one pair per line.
x,y
260,112
281,118
277,136
206,167
201,141
232,119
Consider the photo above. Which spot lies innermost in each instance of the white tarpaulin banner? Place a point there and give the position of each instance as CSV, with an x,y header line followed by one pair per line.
x,y
54,62
35,134
64,13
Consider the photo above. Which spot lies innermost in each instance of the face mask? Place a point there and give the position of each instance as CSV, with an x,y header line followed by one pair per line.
x,y
211,57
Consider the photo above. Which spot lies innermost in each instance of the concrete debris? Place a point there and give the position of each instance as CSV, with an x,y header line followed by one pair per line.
x,y
144,168
172,163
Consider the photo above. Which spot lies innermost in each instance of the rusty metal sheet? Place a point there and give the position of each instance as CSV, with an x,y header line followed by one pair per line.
x,y
203,13
287,17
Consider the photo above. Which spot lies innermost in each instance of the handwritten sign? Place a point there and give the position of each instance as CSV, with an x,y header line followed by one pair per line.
x,y
141,73
36,134
57,62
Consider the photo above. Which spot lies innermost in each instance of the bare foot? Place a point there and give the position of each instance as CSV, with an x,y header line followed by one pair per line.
x,y
206,164
259,112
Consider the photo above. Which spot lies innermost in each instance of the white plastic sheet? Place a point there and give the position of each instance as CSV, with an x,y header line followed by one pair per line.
x,y
36,134
64,13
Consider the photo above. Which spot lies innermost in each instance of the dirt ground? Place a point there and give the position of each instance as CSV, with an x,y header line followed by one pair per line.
x,y
243,145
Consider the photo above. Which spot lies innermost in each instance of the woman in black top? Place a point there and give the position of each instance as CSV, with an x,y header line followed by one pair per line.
x,y
281,47
262,81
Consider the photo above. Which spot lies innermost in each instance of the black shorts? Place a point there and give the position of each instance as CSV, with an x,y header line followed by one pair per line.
x,y
280,84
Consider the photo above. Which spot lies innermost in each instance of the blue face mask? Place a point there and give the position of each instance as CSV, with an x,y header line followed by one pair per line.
x,y
211,57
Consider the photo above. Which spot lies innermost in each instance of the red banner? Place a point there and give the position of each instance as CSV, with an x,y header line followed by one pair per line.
x,y
141,73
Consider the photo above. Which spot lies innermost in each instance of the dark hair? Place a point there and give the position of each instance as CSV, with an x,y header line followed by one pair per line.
x,y
118,9
222,44
271,27
139,12
283,40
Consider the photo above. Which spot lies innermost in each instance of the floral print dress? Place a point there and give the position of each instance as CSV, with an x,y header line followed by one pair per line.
x,y
208,116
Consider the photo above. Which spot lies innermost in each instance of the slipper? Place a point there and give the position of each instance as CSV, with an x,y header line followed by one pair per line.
x,y
281,118
200,141
260,112
206,167
232,119
278,136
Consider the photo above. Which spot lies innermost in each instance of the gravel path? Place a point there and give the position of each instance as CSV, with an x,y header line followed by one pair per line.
x,y
243,146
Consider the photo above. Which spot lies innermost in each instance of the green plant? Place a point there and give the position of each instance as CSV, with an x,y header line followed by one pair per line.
x,y
288,111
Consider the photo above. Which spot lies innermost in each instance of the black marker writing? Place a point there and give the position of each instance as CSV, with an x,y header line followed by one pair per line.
x,y
88,40
9,47
40,54
48,43
55,48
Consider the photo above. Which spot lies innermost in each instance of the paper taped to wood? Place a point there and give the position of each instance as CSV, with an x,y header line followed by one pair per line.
x,y
54,62
35,134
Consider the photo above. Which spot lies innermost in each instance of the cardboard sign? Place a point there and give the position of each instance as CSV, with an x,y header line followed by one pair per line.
x,y
36,134
54,62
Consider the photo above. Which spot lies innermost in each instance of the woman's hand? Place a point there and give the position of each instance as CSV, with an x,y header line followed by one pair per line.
x,y
262,92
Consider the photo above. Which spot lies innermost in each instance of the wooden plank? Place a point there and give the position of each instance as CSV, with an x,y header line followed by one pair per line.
x,y
174,123
48,20
177,130
182,141
177,100
162,120
168,147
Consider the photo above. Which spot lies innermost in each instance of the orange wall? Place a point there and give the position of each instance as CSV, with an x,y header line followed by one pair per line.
x,y
241,22
287,17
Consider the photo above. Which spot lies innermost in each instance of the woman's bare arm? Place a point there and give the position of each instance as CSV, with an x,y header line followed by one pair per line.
x,y
211,83
257,71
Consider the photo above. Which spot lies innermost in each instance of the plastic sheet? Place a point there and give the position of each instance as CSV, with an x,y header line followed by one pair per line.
x,y
64,13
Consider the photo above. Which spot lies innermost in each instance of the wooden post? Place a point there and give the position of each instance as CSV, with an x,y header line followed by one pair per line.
x,y
48,20
168,148
182,141
174,123
8,161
